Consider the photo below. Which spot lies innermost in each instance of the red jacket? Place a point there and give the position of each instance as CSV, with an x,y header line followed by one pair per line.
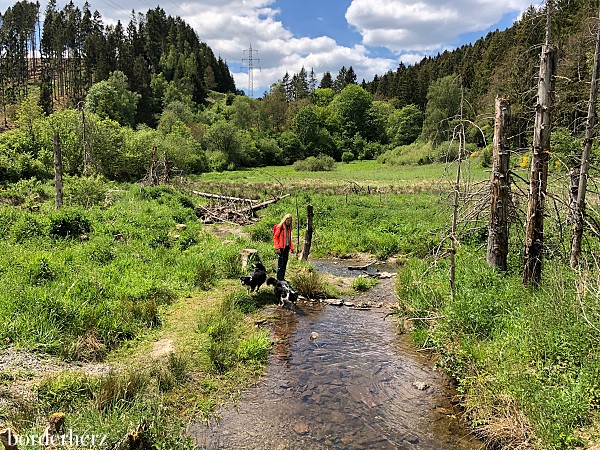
x,y
279,236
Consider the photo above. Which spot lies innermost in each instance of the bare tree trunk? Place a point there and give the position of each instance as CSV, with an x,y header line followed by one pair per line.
x,y
573,189
579,212
461,136
534,234
87,162
58,172
309,232
497,250
152,173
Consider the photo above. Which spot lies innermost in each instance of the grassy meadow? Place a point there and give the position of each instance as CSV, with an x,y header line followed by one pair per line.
x,y
125,275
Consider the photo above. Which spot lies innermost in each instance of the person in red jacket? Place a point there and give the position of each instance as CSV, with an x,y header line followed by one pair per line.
x,y
282,241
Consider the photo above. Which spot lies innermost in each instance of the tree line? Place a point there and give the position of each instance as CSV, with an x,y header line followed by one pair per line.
x,y
77,50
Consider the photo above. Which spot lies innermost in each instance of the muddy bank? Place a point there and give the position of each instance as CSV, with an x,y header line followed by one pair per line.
x,y
341,378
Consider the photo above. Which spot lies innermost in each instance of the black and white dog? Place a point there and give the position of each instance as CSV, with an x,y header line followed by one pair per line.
x,y
256,279
283,291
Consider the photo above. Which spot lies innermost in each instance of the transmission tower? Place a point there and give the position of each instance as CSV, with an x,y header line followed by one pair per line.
x,y
250,60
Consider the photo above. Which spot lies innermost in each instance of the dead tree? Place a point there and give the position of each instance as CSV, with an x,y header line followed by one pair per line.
x,y
87,160
167,177
497,250
534,233
309,232
153,170
579,205
58,172
453,240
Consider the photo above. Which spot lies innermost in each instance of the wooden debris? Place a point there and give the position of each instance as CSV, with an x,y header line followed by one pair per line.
x,y
233,210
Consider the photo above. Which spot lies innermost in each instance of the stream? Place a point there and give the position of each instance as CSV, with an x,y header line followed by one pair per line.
x,y
341,378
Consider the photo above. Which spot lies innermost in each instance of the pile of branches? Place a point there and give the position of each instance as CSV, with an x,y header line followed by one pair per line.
x,y
233,210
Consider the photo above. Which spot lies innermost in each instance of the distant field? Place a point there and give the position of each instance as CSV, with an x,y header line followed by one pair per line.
x,y
367,174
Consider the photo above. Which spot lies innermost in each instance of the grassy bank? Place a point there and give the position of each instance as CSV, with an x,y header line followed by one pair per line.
x,y
96,282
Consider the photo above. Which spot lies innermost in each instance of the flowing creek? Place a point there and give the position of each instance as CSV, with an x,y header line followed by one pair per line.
x,y
341,378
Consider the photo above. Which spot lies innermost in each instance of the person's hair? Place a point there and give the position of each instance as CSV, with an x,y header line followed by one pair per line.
x,y
284,219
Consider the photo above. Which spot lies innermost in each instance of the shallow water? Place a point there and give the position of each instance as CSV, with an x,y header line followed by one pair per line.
x,y
341,378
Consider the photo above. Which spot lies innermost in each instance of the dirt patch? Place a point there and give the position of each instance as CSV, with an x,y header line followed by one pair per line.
x,y
21,370
227,231
162,348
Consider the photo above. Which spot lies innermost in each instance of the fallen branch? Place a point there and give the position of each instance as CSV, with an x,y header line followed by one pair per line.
x,y
268,202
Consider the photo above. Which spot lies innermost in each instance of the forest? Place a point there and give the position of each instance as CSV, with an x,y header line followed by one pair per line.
x,y
144,116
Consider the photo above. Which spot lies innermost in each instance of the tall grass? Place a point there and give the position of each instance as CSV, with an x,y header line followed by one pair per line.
x,y
530,351
78,282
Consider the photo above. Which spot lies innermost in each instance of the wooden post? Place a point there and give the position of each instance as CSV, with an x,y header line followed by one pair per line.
x,y
534,233
58,170
53,430
497,249
309,232
297,226
247,256
579,211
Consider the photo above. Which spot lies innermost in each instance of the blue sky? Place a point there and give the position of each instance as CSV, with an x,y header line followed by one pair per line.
x,y
372,36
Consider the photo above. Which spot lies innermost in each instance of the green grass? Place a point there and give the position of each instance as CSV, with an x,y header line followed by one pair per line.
x,y
366,174
501,341
110,274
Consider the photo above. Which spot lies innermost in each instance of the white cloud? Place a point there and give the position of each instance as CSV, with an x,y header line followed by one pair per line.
x,y
278,50
426,25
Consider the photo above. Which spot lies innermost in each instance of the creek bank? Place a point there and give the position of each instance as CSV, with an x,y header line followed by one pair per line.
x,y
341,378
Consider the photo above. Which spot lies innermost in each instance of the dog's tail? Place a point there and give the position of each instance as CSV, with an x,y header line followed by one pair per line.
x,y
271,281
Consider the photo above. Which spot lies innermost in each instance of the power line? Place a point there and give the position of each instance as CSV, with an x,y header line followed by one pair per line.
x,y
250,61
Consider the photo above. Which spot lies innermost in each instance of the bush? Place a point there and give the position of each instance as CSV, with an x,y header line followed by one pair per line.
x,y
347,157
68,223
308,283
85,191
319,163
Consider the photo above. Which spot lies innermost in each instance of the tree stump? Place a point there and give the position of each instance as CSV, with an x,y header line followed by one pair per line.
x,y
248,256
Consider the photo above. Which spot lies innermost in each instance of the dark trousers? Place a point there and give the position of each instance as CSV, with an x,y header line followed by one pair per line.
x,y
282,259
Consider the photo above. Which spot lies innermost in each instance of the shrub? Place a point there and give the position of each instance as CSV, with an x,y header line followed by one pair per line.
x,y
347,157
68,223
319,163
254,348
26,227
120,387
40,271
66,390
85,191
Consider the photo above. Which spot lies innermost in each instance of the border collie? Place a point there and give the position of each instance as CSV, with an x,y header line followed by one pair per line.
x,y
256,279
283,291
